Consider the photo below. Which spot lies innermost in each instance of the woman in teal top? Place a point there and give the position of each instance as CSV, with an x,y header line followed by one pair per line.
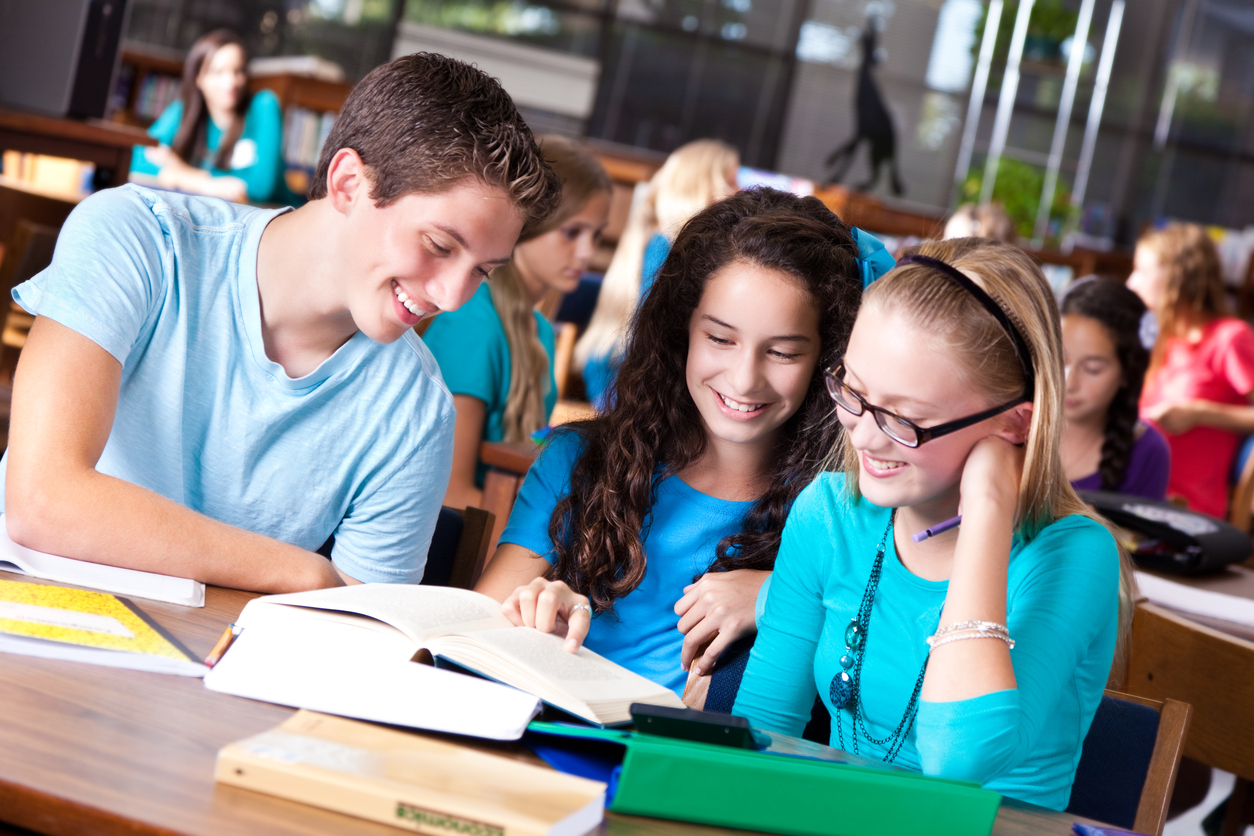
x,y
651,529
216,139
976,651
496,352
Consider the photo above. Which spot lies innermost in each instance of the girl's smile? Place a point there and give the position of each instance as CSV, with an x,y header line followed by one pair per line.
x,y
753,342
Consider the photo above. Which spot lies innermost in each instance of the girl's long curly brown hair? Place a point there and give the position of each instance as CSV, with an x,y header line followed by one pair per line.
x,y
654,429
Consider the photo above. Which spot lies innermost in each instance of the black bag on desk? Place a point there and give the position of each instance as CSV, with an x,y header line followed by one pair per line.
x,y
1165,537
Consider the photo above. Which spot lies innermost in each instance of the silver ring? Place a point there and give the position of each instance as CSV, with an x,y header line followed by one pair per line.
x,y
581,607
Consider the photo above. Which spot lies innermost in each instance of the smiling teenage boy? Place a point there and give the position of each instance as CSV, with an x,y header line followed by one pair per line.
x,y
211,390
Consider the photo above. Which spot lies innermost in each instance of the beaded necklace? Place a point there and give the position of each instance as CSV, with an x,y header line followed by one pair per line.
x,y
846,689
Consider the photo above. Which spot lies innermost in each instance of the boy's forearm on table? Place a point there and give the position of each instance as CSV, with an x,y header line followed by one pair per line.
x,y
98,518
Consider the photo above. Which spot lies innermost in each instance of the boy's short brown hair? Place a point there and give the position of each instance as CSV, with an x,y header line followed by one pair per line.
x,y
425,122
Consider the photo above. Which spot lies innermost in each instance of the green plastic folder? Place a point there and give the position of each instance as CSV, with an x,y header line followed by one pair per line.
x,y
765,790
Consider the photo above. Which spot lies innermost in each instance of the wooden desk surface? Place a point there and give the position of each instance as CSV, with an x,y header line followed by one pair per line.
x,y
89,749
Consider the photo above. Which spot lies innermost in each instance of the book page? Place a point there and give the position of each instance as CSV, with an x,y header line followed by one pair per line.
x,y
585,675
420,612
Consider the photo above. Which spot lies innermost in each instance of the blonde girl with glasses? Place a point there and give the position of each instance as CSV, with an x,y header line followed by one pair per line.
x,y
948,595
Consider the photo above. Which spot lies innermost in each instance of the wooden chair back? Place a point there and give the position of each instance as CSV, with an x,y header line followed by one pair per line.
x,y
459,547
1243,493
1173,657
1128,767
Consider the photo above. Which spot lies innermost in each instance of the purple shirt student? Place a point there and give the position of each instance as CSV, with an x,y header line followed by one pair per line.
x,y
1147,472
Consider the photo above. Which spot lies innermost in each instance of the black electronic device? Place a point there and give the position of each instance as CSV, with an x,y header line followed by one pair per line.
x,y
1169,538
60,57
698,726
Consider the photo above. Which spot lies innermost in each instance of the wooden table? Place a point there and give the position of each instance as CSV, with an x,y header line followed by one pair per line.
x,y
87,749
107,144
508,463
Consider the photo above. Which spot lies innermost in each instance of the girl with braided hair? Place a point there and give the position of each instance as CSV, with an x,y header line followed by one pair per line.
x,y
1104,445
650,529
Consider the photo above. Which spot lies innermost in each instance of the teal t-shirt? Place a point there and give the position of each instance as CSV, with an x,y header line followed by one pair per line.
x,y
470,346
361,447
1062,604
258,155
683,531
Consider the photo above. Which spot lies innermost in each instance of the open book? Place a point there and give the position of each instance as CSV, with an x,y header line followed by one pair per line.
x,y
130,582
382,624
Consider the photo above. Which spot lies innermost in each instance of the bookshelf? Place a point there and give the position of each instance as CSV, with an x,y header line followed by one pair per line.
x,y
309,109
148,81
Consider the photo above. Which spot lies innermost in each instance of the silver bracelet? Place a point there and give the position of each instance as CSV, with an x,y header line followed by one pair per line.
x,y
936,641
990,626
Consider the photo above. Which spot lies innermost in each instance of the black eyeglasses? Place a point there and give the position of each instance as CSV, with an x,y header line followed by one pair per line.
x,y
901,430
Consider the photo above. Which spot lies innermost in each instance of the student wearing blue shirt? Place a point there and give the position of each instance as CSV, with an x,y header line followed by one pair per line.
x,y
211,390
977,651
216,139
496,353
694,176
649,530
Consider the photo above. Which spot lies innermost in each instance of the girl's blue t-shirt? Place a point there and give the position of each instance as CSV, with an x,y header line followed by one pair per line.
x,y
473,352
1062,607
640,633
258,155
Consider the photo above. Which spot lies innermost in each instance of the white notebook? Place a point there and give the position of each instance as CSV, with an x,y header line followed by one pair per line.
x,y
130,582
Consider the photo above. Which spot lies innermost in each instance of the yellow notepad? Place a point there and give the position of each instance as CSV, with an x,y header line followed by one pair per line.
x,y
85,626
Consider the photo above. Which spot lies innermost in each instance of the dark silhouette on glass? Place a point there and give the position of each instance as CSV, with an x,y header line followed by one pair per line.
x,y
874,122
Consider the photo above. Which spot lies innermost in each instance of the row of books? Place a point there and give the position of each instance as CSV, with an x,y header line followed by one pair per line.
x,y
57,176
156,93
304,132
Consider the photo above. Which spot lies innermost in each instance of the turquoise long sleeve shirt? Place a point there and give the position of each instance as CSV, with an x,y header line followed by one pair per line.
x,y
258,155
1062,605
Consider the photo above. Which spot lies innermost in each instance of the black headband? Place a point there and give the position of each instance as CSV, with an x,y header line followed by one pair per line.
x,y
1021,346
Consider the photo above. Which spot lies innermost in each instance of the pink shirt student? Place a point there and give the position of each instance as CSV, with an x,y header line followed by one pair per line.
x,y
1218,367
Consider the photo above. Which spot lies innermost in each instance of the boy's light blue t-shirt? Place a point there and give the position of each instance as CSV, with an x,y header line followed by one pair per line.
x,y
640,633
361,447
258,155
473,352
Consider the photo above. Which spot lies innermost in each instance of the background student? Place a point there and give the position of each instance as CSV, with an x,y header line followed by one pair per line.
x,y
650,529
496,352
216,139
1104,445
211,390
693,176
951,395
1200,384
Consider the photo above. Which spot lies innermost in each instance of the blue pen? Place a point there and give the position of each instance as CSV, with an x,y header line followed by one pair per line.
x,y
939,528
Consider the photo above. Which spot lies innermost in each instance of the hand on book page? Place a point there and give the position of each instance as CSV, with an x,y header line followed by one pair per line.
x,y
585,675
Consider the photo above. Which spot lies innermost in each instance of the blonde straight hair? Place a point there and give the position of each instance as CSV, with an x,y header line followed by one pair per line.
x,y
693,177
582,178
930,302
